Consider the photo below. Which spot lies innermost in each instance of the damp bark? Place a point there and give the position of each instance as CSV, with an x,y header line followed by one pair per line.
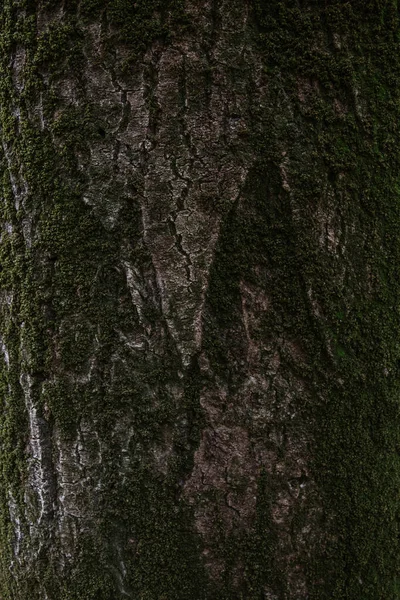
x,y
199,299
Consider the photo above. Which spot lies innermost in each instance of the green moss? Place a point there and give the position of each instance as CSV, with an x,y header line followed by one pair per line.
x,y
356,455
352,347
70,301
68,285
138,24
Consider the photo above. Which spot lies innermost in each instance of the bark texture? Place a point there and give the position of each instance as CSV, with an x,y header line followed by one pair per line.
x,y
199,297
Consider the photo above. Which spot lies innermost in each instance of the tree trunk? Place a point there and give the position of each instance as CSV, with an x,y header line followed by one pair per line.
x,y
200,309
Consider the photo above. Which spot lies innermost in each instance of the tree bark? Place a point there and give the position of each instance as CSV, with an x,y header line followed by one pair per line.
x,y
200,310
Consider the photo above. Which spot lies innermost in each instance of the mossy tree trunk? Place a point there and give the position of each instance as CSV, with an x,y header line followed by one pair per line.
x,y
200,309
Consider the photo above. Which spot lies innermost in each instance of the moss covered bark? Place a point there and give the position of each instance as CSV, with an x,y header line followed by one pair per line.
x,y
200,300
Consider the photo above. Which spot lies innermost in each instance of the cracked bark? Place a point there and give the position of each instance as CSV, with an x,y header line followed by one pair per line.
x,y
194,277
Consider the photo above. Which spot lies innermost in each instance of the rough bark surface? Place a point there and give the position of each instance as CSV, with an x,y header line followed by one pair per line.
x,y
200,250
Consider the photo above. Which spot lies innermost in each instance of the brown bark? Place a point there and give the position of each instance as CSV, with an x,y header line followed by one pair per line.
x,y
199,300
